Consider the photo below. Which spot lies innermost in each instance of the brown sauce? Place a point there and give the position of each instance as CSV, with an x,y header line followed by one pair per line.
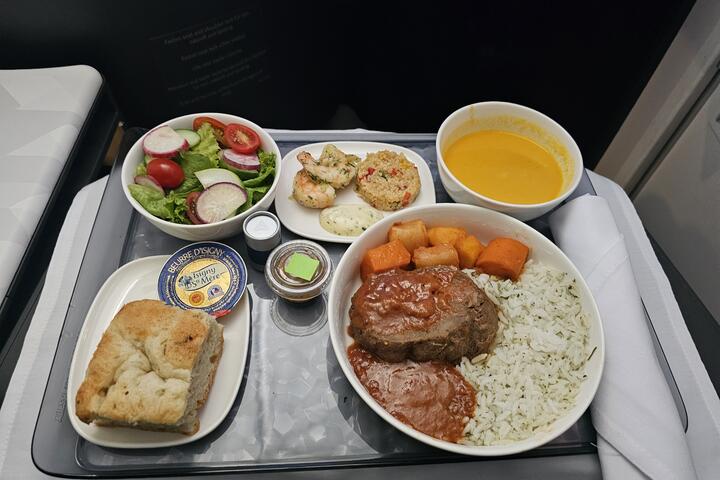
x,y
399,301
432,397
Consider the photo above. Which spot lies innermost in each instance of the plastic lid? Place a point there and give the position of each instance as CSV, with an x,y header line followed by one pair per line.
x,y
294,287
262,231
261,227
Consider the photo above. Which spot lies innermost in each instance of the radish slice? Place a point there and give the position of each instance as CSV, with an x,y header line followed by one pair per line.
x,y
163,142
211,176
240,160
148,181
219,202
189,135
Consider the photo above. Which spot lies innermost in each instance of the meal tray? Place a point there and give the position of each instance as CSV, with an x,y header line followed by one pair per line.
x,y
295,409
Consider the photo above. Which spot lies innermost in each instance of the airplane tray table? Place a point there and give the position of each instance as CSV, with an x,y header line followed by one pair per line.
x,y
295,409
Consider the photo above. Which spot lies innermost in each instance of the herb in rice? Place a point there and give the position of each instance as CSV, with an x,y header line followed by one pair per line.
x,y
537,366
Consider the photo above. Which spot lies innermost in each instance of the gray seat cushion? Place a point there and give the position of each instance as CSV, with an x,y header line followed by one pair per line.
x,y
41,114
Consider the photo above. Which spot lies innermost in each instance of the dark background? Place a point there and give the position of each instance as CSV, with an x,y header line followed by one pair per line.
x,y
392,65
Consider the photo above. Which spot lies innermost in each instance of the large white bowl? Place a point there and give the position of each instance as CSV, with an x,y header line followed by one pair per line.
x,y
486,225
500,116
212,231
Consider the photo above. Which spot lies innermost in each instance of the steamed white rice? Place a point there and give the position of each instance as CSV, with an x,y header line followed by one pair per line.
x,y
534,373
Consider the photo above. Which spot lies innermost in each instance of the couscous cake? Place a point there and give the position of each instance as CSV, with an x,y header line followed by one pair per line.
x,y
387,180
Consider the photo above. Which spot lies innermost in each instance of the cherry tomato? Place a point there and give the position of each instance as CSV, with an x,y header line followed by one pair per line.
x,y
191,201
218,128
241,139
166,172
197,123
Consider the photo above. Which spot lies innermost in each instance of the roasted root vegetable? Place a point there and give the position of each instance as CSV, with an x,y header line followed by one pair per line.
x,y
412,234
445,235
438,255
385,257
468,249
504,257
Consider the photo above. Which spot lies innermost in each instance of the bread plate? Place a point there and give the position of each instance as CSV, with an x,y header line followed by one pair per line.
x,y
135,281
306,221
485,225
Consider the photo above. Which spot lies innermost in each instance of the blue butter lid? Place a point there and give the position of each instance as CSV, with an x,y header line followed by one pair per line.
x,y
208,276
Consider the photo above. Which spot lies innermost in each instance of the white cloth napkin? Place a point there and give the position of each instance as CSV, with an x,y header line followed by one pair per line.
x,y
639,429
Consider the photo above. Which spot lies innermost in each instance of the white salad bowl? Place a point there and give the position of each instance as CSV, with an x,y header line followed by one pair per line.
x,y
486,225
517,119
211,231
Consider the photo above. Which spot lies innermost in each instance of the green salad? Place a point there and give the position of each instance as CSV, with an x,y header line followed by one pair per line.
x,y
203,175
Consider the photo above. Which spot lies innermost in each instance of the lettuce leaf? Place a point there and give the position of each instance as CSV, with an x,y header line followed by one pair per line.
x,y
254,194
144,194
257,187
169,207
204,155
179,208
208,145
191,162
267,170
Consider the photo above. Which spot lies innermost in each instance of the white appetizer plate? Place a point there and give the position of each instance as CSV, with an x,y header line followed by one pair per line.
x,y
137,280
306,221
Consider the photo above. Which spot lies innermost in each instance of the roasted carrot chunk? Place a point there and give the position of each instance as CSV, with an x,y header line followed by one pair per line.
x,y
504,257
468,249
437,255
385,257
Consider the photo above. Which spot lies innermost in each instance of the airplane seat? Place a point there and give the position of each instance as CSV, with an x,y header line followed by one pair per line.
x,y
56,124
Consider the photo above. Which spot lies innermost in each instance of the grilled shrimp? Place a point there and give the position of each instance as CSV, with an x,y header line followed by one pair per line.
x,y
310,193
333,166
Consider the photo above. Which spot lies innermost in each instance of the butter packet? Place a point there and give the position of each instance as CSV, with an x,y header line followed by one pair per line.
x,y
208,276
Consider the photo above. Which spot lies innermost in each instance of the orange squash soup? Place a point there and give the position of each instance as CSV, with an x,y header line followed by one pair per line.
x,y
505,166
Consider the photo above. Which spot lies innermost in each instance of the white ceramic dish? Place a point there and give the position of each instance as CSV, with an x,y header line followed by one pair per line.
x,y
212,231
486,225
491,116
135,281
306,221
